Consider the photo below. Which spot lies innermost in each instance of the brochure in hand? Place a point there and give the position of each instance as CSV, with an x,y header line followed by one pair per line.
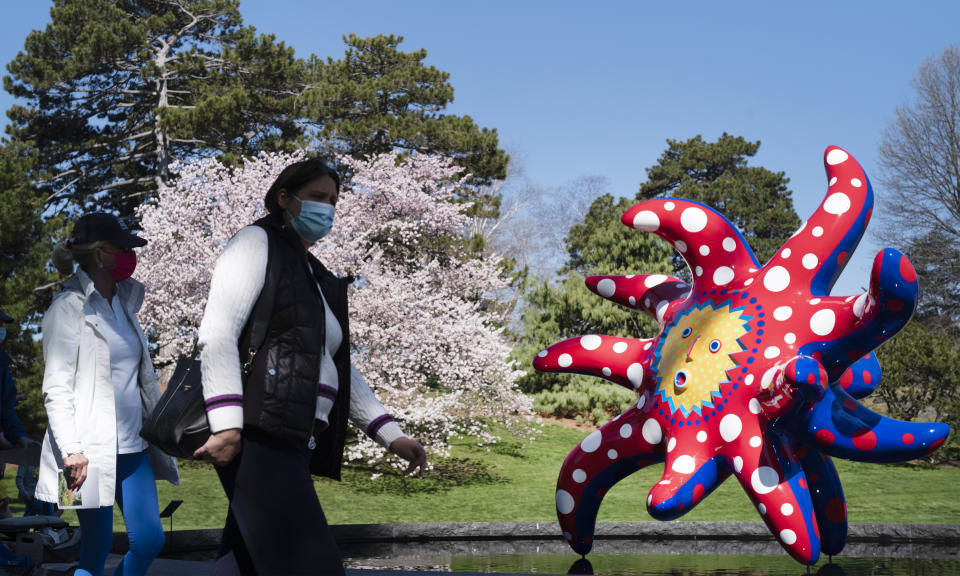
x,y
86,496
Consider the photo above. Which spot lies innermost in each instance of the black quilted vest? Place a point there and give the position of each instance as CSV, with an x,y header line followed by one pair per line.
x,y
280,397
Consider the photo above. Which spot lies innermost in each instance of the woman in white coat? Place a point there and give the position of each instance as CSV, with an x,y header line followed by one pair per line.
x,y
98,385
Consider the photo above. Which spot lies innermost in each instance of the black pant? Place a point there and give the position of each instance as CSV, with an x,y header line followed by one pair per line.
x,y
275,524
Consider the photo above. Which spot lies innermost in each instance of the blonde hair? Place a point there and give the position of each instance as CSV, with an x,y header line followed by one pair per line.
x,y
65,254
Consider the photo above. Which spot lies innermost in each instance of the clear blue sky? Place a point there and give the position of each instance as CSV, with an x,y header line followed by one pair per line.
x,y
595,88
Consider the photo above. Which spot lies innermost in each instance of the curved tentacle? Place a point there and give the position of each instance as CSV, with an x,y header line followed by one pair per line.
x,y
712,247
865,321
826,492
623,361
687,478
862,377
651,293
773,479
843,427
608,455
825,241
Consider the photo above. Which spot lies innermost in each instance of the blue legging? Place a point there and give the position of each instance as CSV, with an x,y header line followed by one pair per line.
x,y
137,497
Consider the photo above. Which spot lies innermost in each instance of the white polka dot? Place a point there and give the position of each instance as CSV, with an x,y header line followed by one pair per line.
x,y
612,454
565,360
681,246
764,480
701,436
748,282
704,250
591,442
837,203
833,181
748,380
856,182
836,156
786,253
651,431
590,342
564,502
568,536
626,430
730,427
641,401
755,441
754,405
788,536
860,305
776,279
810,261
663,482
669,206
647,221
723,275
662,309
606,287
786,509
771,352
823,321
671,444
693,219
607,371
783,313
648,345
762,509
684,464
814,301
649,499
737,463
653,280
635,374
729,244
789,337
817,231
767,379
542,354
629,276
620,347
646,302
579,476
632,300
699,271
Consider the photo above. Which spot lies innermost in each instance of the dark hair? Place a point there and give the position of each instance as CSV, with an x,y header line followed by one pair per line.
x,y
294,177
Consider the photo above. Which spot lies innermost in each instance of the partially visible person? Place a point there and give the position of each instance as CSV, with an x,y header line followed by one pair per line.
x,y
98,386
27,486
11,430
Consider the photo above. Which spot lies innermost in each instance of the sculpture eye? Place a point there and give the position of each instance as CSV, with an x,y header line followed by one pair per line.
x,y
687,331
715,346
680,380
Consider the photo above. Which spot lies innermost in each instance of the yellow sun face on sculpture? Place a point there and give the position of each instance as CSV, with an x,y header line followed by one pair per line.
x,y
695,355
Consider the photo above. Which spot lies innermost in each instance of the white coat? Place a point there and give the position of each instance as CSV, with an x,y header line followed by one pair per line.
x,y
78,393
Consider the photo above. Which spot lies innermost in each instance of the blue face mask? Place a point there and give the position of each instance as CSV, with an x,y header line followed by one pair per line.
x,y
314,221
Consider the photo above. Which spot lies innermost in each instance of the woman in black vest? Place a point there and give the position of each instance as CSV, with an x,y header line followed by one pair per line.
x,y
279,413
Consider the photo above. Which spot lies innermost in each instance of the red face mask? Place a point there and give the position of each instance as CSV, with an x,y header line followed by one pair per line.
x,y
126,263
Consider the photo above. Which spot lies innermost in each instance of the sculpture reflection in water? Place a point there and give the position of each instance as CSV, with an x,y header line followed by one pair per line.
x,y
756,371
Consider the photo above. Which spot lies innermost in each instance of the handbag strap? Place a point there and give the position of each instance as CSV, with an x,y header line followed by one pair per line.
x,y
255,332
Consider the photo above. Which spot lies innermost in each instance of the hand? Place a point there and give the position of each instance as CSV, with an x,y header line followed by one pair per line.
x,y
4,443
411,451
24,442
221,447
75,467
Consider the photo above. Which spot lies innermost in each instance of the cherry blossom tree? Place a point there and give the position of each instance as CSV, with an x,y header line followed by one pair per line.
x,y
422,329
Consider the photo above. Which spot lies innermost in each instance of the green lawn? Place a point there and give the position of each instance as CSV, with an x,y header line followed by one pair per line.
x,y
510,483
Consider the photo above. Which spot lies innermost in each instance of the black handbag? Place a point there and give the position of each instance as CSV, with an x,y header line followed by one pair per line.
x,y
178,423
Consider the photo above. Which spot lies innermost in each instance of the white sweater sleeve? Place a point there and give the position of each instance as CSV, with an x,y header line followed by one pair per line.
x,y
62,325
238,278
368,414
